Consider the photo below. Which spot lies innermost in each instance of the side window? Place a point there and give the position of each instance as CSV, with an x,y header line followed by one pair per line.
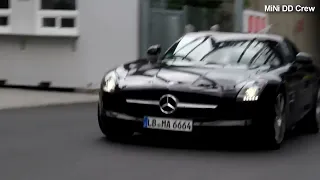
x,y
292,47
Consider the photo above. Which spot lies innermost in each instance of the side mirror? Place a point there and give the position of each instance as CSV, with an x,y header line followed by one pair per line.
x,y
303,58
154,50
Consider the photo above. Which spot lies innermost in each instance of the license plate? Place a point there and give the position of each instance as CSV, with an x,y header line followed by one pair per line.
x,y
167,124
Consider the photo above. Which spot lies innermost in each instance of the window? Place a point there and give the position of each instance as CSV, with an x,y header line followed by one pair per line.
x,y
202,49
186,48
292,47
4,21
58,17
289,50
205,51
4,4
49,22
5,13
67,22
58,4
254,54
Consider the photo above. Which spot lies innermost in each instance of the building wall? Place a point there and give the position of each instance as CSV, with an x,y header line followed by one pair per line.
x,y
285,24
107,36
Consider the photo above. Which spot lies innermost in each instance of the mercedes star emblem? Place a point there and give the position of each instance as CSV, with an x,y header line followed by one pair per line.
x,y
168,104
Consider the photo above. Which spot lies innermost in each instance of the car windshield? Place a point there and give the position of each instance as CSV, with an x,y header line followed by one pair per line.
x,y
206,50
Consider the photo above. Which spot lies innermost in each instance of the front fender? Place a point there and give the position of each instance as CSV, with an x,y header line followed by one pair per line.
x,y
271,90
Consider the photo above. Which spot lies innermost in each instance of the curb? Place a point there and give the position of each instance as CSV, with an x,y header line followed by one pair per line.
x,y
47,105
50,89
87,91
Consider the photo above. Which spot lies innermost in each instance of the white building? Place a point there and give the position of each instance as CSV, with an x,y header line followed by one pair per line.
x,y
68,43
71,43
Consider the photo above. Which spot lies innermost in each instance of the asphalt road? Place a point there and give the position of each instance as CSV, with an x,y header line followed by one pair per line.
x,y
64,143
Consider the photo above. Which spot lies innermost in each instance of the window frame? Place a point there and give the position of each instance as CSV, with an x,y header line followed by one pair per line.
x,y
57,30
6,12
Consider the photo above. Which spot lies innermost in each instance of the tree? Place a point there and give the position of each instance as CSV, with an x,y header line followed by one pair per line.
x,y
247,3
178,4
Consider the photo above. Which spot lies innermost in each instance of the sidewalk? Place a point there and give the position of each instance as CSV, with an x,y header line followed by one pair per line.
x,y
19,98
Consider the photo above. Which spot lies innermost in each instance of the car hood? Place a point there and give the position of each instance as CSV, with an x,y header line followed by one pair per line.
x,y
142,73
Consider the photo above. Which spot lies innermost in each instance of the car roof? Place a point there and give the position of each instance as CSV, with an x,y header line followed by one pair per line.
x,y
227,36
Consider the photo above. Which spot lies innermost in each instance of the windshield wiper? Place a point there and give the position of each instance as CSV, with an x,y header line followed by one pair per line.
x,y
186,56
204,40
196,39
182,57
258,54
245,50
214,49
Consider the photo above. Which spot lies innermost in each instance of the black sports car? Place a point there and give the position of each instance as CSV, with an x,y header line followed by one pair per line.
x,y
213,79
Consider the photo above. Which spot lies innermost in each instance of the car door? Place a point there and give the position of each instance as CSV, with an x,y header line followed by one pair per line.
x,y
310,85
292,80
300,92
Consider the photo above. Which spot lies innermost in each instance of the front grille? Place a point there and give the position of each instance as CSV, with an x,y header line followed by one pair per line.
x,y
186,97
154,95
227,108
140,110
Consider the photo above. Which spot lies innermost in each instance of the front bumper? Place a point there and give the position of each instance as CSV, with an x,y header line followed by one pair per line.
x,y
137,122
228,113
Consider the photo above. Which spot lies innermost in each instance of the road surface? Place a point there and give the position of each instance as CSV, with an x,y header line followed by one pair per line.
x,y
64,143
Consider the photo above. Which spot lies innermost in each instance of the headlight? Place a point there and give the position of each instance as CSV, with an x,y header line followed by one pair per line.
x,y
252,90
110,82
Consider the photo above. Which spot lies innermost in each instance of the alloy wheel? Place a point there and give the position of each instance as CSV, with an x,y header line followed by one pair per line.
x,y
279,121
318,106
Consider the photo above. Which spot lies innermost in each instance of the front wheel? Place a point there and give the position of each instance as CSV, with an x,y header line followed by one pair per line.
x,y
273,131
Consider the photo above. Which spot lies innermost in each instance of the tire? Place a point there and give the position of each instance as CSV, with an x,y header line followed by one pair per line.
x,y
111,131
310,123
273,130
